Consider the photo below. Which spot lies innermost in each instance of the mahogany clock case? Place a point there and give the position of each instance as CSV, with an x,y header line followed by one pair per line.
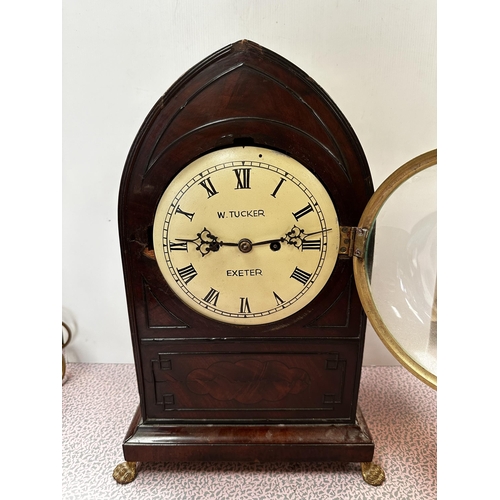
x,y
243,95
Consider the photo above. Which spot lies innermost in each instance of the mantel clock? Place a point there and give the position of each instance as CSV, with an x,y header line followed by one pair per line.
x,y
238,218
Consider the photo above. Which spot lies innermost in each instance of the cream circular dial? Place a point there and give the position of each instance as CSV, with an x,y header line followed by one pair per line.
x,y
246,235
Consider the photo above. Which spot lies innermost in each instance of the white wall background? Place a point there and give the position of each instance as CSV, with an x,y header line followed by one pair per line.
x,y
375,58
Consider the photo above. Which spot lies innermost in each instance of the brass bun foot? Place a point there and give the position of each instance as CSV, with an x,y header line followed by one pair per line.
x,y
125,472
372,473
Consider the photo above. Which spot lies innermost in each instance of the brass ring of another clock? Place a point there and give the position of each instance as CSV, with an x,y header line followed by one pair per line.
x,y
68,331
64,344
389,186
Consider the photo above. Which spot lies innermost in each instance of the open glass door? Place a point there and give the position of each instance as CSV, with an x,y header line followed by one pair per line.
x,y
397,276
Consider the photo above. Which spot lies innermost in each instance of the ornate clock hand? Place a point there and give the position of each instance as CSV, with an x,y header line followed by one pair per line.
x,y
301,235
297,237
205,242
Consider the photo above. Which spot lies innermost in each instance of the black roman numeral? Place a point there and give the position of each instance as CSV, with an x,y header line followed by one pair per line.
x,y
311,245
178,246
244,305
303,211
212,297
187,214
207,184
242,178
300,275
187,273
282,180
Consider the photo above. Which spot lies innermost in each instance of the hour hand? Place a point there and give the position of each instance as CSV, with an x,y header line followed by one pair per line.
x,y
205,242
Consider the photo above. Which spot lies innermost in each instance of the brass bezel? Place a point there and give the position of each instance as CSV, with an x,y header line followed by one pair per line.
x,y
368,218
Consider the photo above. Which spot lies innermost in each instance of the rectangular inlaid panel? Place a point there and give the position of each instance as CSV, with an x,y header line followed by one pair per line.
x,y
288,381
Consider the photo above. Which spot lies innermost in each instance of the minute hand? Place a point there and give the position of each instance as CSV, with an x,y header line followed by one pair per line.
x,y
290,234
317,232
268,241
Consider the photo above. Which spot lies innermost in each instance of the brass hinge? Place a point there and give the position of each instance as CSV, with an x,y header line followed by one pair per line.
x,y
353,241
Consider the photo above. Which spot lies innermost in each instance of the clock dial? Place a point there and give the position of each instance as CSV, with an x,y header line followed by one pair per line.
x,y
246,235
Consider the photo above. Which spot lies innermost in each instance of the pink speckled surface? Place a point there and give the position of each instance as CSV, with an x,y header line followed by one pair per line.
x,y
99,400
